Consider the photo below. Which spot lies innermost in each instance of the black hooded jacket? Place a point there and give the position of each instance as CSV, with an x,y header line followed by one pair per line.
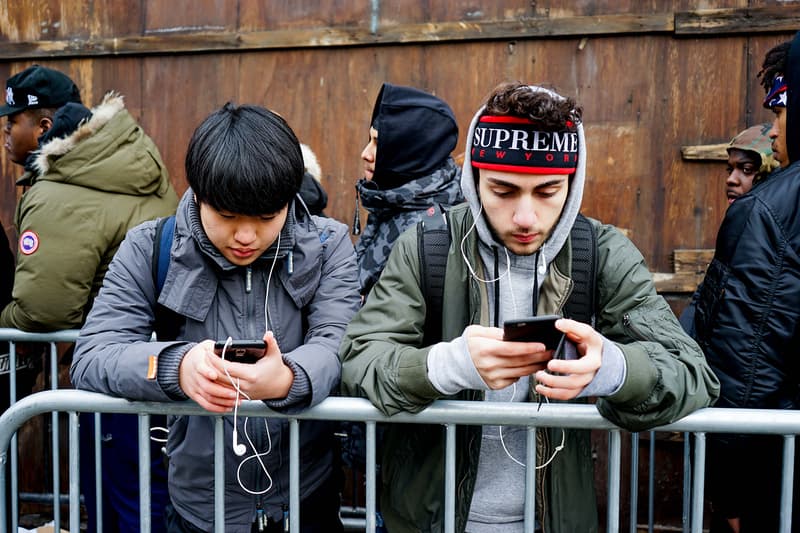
x,y
413,172
748,312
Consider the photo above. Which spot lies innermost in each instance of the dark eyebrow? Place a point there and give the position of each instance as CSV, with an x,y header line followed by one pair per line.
x,y
503,183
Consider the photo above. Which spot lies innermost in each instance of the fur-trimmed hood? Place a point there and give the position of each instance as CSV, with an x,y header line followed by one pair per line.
x,y
109,152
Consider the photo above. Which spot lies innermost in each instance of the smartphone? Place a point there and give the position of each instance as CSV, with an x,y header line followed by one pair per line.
x,y
241,351
534,329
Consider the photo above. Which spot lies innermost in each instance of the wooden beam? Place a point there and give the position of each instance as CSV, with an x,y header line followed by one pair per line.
x,y
680,283
692,261
770,19
199,42
705,152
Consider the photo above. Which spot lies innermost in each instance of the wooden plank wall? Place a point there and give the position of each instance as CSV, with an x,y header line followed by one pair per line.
x,y
652,77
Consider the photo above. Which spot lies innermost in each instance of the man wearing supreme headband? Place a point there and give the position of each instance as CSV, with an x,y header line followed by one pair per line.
x,y
510,257
747,318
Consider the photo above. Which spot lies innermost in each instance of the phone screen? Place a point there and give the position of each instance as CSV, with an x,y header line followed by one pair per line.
x,y
241,351
534,329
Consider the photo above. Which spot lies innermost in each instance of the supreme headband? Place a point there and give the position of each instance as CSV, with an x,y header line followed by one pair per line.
x,y
515,144
776,97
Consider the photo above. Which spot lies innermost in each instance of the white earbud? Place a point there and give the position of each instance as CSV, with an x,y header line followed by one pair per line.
x,y
238,449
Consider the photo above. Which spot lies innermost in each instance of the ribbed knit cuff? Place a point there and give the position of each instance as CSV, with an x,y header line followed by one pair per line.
x,y
169,364
450,368
611,374
299,393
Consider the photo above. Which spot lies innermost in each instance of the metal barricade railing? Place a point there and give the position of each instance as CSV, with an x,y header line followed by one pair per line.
x,y
786,423
14,336
446,413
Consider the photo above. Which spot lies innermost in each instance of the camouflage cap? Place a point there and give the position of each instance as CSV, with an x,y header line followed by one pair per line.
x,y
756,139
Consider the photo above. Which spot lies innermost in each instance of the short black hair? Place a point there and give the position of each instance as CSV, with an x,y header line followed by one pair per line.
x,y
244,160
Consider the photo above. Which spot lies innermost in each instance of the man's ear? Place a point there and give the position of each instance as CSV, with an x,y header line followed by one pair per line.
x,y
45,123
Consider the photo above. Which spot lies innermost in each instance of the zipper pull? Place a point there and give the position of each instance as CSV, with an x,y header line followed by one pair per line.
x,y
248,280
260,517
290,260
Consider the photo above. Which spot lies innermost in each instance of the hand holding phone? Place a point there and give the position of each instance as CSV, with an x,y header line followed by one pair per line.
x,y
246,351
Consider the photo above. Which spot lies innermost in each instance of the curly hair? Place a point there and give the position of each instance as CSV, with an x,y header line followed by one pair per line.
x,y
774,64
517,99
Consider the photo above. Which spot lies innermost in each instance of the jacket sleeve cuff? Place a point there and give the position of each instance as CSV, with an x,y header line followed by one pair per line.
x,y
299,393
169,364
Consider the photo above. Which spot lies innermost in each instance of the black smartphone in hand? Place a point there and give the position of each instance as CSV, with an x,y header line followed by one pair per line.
x,y
241,351
534,329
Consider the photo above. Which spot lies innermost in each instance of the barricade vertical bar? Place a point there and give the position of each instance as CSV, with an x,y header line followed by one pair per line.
x,y
787,483
55,441
3,510
74,474
614,462
687,482
98,471
144,473
14,455
698,481
294,476
634,482
371,481
530,481
450,479
219,475
651,486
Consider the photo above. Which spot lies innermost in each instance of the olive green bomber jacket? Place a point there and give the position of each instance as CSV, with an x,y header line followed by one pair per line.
x,y
667,376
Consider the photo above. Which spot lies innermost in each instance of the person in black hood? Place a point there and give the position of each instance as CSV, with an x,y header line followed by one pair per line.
x,y
408,170
747,319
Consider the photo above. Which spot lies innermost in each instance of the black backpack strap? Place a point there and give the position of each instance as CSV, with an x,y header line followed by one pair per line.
x,y
167,322
582,303
433,240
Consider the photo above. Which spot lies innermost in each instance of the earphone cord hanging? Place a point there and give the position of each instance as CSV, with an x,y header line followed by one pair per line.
x,y
520,463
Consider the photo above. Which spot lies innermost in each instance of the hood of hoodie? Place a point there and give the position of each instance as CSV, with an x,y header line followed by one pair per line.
x,y
416,134
108,152
558,237
792,76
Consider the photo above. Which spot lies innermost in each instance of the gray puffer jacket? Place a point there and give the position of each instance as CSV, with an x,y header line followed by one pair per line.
x,y
313,295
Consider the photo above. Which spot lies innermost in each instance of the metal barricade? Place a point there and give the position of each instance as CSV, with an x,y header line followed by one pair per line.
x,y
14,336
446,413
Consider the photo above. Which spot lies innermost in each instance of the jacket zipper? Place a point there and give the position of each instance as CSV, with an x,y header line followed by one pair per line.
x,y
630,326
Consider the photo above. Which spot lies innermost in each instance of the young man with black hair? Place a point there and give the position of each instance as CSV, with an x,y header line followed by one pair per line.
x,y
748,312
510,257
244,264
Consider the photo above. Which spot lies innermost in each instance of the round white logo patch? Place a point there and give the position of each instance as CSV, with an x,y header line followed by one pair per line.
x,y
28,242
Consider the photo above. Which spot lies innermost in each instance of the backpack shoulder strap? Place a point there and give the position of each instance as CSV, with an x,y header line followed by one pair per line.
x,y
167,322
165,230
433,241
582,303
